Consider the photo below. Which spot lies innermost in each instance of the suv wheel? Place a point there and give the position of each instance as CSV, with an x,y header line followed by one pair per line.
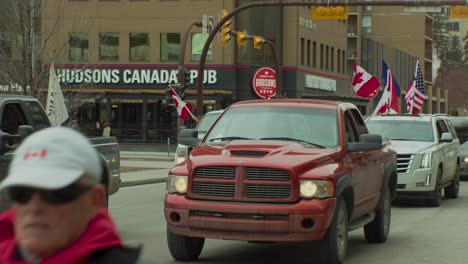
x,y
183,247
377,231
454,188
335,243
436,199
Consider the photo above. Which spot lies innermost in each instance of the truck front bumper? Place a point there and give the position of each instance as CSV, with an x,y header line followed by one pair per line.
x,y
302,221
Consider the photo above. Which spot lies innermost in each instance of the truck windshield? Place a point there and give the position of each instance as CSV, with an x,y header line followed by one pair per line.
x,y
402,130
309,126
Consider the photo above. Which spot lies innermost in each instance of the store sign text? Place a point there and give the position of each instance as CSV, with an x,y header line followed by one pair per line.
x,y
316,82
129,76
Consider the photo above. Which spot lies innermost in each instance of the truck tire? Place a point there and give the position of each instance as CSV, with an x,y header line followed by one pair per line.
x,y
184,248
452,191
335,244
436,199
377,231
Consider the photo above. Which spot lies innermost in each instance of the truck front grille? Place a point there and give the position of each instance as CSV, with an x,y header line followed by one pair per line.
x,y
404,162
249,184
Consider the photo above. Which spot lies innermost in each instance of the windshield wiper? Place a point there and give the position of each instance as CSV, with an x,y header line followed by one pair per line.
x,y
292,139
228,138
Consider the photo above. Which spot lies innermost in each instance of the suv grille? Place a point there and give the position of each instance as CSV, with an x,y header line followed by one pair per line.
x,y
404,162
241,184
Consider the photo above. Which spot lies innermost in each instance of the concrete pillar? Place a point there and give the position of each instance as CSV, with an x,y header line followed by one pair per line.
x,y
108,108
438,100
429,100
446,97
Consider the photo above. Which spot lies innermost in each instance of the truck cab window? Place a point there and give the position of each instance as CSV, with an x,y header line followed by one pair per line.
x,y
12,118
441,128
350,131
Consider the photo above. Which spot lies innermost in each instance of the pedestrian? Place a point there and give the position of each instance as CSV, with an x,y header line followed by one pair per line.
x,y
106,132
98,129
57,214
74,124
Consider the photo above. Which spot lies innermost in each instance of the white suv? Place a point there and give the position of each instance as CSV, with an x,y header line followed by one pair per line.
x,y
428,154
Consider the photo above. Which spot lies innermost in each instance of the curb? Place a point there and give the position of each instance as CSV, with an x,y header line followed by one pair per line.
x,y
142,182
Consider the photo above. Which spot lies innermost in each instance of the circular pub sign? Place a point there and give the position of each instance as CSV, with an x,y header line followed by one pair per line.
x,y
264,82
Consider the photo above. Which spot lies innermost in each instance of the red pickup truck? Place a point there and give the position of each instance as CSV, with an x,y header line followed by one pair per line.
x,y
281,170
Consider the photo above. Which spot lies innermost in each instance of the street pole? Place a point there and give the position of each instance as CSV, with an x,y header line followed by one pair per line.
x,y
277,67
223,20
180,68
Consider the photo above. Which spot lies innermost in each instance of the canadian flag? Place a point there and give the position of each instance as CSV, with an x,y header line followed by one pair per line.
x,y
183,110
388,103
364,84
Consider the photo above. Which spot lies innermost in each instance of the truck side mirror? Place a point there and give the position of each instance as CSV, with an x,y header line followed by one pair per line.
x,y
446,137
24,131
189,137
367,142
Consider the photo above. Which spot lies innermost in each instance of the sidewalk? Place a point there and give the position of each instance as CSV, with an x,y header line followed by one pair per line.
x,y
144,164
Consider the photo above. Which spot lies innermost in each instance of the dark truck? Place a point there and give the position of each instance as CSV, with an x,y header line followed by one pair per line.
x,y
281,170
22,115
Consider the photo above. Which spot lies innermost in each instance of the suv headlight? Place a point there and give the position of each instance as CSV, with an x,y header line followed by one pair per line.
x,y
177,184
426,161
465,159
316,189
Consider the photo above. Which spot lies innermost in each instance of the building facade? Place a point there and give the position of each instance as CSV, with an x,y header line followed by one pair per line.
x,y
119,56
400,38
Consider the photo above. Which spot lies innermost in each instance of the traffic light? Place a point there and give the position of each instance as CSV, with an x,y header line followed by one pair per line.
x,y
185,85
225,30
258,42
457,12
329,12
241,37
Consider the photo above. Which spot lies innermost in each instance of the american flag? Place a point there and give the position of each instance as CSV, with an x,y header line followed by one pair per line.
x,y
415,97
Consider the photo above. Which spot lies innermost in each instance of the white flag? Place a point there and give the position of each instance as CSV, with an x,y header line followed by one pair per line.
x,y
55,108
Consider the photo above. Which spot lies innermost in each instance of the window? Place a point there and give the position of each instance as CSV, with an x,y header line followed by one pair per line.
x,y
361,127
332,59
327,58
6,44
350,129
302,51
314,54
343,59
170,45
321,56
339,60
38,117
12,118
308,52
198,42
366,24
441,128
78,45
109,46
139,46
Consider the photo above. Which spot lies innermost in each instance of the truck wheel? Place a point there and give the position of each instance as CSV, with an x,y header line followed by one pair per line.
x,y
452,191
377,231
183,247
436,199
335,243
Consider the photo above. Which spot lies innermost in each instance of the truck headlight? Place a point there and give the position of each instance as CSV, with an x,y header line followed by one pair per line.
x,y
316,189
177,184
426,161
465,160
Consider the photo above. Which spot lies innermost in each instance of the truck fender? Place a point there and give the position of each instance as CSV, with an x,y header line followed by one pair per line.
x,y
389,181
344,188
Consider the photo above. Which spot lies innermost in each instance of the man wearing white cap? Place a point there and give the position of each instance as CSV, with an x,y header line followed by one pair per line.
x,y
57,215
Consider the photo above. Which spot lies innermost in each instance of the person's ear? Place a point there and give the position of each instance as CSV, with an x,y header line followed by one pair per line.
x,y
98,196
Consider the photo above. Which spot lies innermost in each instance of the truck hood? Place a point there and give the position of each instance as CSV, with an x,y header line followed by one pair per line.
x,y
411,147
262,153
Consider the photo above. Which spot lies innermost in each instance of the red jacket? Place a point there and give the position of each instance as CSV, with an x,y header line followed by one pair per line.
x,y
101,234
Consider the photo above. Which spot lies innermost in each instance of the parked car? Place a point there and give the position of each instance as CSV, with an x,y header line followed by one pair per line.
x,y
281,170
203,126
22,115
428,154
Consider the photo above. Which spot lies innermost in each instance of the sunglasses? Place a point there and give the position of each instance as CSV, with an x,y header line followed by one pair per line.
x,y
22,195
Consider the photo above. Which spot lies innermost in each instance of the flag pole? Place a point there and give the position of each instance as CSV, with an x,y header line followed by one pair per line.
x,y
414,80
